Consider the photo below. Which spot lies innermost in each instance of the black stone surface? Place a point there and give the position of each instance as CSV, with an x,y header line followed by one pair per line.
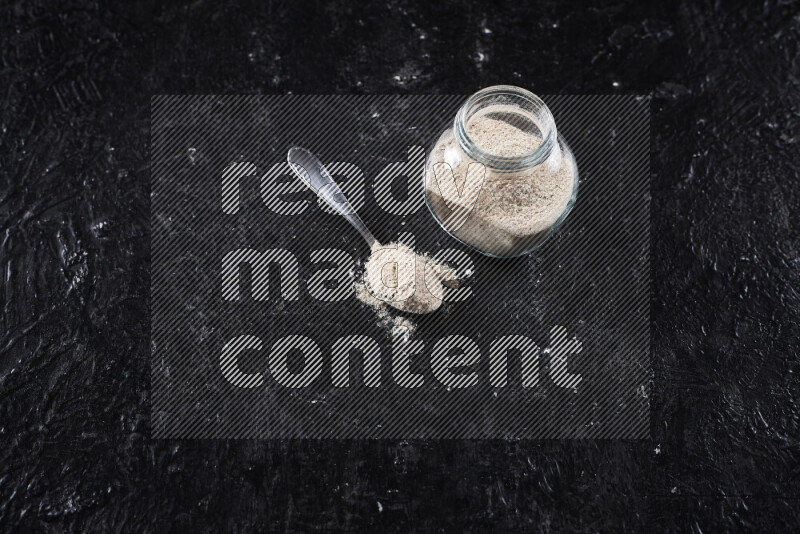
x,y
76,79
592,278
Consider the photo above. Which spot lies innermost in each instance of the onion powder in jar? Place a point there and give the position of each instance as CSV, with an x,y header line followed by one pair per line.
x,y
500,179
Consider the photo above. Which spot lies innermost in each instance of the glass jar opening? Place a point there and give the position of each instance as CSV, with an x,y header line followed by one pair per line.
x,y
509,106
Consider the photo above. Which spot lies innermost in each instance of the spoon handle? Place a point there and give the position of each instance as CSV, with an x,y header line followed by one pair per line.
x,y
312,172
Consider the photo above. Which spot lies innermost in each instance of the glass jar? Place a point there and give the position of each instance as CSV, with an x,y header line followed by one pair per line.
x,y
500,179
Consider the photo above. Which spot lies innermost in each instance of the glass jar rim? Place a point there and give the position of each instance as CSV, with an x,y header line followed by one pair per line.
x,y
531,104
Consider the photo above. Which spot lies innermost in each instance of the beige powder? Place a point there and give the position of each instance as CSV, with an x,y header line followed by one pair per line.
x,y
396,275
398,327
505,213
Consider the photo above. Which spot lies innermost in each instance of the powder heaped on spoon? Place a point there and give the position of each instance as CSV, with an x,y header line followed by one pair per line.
x,y
405,280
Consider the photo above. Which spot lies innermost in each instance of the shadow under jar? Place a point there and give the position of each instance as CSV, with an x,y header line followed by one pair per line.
x,y
500,179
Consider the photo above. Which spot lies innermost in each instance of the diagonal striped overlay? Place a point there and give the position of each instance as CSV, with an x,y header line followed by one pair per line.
x,y
255,331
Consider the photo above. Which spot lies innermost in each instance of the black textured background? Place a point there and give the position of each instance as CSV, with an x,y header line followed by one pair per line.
x,y
76,80
592,278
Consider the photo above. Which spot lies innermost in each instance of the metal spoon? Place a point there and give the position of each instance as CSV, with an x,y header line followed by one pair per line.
x,y
312,172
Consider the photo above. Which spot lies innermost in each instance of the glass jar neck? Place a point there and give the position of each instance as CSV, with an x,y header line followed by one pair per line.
x,y
522,107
